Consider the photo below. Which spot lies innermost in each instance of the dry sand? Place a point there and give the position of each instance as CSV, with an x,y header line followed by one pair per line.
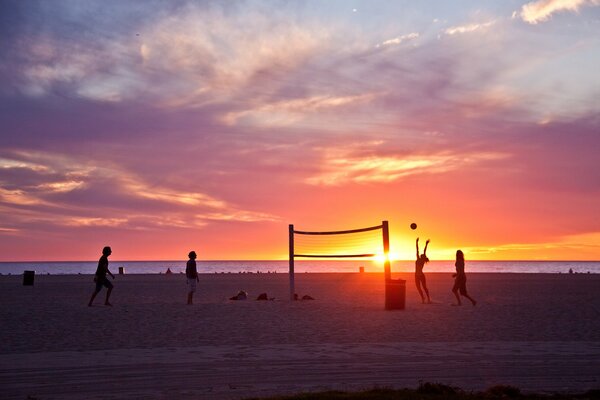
x,y
537,331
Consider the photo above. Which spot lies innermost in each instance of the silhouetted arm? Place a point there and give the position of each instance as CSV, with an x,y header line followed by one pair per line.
x,y
110,273
417,248
426,244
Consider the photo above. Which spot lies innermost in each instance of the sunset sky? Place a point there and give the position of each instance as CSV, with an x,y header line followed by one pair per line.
x,y
158,127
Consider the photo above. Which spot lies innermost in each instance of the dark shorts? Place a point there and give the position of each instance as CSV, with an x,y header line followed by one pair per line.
x,y
103,282
460,284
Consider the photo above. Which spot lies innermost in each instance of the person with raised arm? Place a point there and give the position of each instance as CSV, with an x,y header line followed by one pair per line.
x,y
460,279
100,277
419,275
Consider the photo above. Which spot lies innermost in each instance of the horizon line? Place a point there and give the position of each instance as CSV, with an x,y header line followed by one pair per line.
x,y
296,260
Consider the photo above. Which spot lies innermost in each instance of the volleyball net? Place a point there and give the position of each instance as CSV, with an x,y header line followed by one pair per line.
x,y
353,243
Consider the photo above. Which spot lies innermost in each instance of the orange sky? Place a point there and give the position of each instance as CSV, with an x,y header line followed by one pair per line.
x,y
166,129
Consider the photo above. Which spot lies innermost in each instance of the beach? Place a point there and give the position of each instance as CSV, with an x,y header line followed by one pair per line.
x,y
540,332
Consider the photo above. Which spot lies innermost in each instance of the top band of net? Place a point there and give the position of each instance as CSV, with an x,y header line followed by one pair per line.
x,y
372,228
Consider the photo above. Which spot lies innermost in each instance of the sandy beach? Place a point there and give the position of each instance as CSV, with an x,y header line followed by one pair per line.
x,y
540,332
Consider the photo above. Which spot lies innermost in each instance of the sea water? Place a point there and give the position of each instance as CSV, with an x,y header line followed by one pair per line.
x,y
301,266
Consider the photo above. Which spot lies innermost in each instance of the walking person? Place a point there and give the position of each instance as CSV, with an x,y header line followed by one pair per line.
x,y
100,277
460,279
192,276
419,275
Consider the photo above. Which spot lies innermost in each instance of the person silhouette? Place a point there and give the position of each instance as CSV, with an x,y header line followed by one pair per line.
x,y
100,277
419,275
192,276
460,281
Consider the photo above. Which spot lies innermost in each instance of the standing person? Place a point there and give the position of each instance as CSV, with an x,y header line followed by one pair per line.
x,y
419,275
460,281
100,277
192,276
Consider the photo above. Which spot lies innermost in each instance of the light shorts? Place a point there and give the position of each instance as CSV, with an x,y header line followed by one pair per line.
x,y
192,284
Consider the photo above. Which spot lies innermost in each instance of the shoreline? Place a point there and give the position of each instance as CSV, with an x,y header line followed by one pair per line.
x,y
179,273
305,266
284,260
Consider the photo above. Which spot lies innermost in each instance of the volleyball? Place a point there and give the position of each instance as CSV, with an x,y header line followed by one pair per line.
x,y
413,226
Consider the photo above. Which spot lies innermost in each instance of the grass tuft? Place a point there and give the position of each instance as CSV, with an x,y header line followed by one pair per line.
x,y
503,391
438,389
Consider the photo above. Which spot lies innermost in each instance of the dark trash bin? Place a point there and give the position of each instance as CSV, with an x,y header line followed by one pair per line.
x,y
395,294
28,277
121,270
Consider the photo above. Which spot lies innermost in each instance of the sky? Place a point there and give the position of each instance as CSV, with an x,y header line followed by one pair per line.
x,y
158,127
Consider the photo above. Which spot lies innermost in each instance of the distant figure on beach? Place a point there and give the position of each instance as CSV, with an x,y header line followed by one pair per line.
x,y
305,297
100,277
191,273
419,275
460,281
241,295
264,296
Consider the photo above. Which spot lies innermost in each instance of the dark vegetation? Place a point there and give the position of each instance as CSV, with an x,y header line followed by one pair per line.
x,y
438,391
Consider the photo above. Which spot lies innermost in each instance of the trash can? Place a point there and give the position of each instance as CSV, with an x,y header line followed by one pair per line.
x,y
28,278
121,270
395,294
361,269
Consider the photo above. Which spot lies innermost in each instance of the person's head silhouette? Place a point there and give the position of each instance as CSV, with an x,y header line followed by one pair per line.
x,y
106,251
192,255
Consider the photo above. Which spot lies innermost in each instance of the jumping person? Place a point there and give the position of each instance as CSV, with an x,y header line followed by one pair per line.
x,y
192,276
460,281
419,275
100,277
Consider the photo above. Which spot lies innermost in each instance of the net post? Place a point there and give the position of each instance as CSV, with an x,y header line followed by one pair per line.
x,y
386,251
292,289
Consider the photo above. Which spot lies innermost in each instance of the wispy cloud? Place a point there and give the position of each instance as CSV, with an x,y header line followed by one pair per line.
x,y
289,111
468,28
585,245
95,221
6,163
18,197
61,187
199,55
173,207
240,216
542,10
347,168
398,40
164,194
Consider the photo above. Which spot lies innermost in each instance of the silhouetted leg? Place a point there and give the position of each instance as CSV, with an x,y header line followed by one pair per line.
x,y
425,288
455,291
470,298
93,297
418,282
108,292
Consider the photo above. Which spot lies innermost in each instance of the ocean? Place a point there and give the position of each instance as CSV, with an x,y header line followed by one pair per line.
x,y
301,266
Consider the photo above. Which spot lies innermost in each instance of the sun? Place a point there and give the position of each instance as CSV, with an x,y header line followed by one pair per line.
x,y
381,257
